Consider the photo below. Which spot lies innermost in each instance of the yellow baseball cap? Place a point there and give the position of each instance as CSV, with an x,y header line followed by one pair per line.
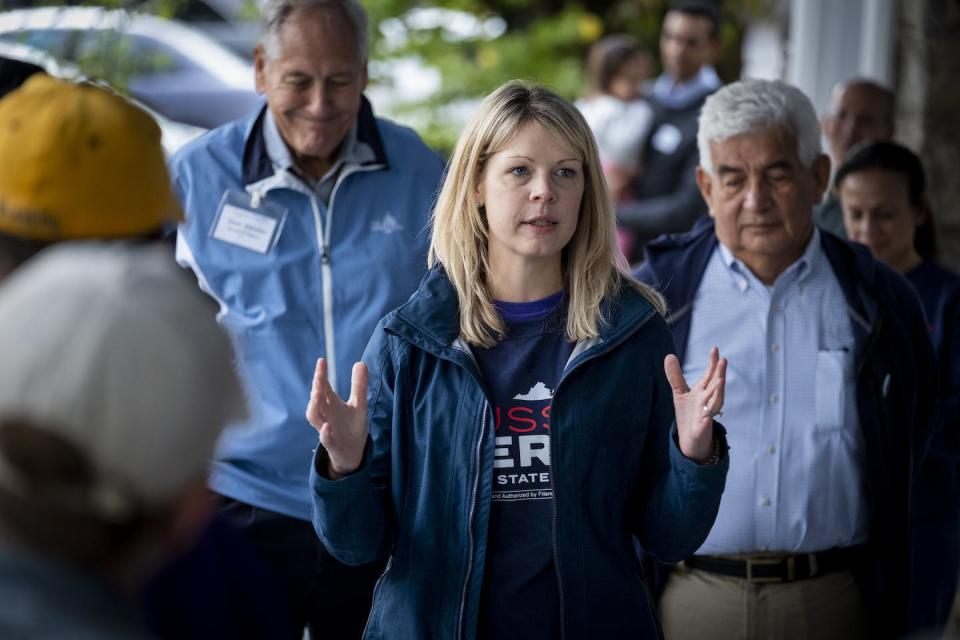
x,y
78,161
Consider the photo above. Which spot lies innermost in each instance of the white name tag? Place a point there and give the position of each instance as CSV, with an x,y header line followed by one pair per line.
x,y
248,221
245,228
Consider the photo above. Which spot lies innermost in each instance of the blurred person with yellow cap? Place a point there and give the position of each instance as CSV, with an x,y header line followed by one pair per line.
x,y
77,162
102,476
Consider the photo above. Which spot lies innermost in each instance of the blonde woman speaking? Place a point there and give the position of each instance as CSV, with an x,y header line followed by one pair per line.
x,y
523,420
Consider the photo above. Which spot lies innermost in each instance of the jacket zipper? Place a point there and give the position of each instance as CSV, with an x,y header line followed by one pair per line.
x,y
473,507
376,586
326,274
556,558
476,484
326,279
553,549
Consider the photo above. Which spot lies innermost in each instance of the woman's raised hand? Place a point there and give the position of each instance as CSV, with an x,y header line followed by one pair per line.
x,y
342,425
695,407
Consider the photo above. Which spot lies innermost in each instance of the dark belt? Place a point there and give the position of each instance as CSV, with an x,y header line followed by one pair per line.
x,y
777,567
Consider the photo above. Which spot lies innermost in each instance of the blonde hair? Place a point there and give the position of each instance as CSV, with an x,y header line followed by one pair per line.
x,y
592,267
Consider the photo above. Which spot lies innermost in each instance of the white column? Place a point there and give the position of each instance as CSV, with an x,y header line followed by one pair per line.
x,y
876,44
833,40
803,56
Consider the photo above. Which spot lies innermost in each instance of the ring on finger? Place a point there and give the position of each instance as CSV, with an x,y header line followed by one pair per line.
x,y
712,414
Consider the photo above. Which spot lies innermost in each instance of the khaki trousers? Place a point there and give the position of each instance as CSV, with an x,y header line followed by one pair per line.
x,y
697,605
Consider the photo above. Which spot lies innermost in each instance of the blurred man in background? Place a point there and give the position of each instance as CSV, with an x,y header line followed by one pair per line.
x,y
859,110
666,198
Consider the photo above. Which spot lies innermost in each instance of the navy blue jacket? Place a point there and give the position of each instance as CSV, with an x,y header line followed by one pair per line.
x,y
896,391
422,495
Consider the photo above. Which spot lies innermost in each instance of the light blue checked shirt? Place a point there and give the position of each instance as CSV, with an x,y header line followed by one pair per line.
x,y
796,480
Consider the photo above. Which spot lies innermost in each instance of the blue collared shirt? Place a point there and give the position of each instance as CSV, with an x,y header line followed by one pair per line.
x,y
352,151
679,95
796,479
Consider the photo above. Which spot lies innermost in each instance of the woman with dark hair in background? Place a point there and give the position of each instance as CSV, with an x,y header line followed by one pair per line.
x,y
881,187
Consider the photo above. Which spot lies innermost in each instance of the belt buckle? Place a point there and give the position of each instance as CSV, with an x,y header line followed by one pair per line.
x,y
767,562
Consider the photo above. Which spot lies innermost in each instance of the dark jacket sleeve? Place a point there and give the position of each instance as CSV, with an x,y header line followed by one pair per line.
x,y
677,499
905,315
925,367
946,438
351,515
950,377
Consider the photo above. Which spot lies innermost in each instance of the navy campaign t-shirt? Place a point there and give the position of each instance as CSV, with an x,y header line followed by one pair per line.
x,y
521,596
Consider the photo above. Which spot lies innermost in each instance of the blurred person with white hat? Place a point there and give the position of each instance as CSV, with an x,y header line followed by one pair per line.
x,y
114,386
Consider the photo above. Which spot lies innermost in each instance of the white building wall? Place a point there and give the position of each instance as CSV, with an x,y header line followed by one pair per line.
x,y
832,40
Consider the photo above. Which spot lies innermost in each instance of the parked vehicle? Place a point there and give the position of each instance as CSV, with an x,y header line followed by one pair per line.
x,y
233,23
174,134
174,69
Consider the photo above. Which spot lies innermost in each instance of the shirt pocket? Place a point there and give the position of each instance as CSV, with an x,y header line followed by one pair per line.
x,y
834,374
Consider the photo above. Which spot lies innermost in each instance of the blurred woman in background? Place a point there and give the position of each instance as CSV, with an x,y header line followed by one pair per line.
x,y
882,191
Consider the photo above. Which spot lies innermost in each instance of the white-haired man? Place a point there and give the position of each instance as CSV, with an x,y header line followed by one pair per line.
x,y
830,395
306,222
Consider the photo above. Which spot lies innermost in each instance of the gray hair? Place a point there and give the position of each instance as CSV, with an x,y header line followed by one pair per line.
x,y
750,106
276,12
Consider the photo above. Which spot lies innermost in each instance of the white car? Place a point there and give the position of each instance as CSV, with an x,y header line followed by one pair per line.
x,y
176,70
233,23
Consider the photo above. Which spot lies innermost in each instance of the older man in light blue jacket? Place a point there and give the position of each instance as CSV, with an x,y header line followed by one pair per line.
x,y
306,221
